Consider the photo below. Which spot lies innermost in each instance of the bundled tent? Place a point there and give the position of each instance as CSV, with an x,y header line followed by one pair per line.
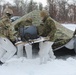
x,y
34,15
62,32
37,20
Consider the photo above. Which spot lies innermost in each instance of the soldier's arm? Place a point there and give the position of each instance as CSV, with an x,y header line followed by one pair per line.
x,y
1,24
52,26
4,22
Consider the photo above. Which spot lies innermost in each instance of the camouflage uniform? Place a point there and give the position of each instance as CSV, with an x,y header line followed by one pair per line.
x,y
47,29
27,22
6,27
7,49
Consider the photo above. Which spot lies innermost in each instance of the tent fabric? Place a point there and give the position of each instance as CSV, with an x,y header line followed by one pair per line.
x,y
62,33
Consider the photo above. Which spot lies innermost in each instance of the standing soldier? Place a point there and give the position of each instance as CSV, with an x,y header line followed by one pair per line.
x,y
46,29
6,31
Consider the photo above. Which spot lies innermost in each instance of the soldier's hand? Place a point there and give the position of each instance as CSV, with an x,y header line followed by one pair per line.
x,y
47,38
42,24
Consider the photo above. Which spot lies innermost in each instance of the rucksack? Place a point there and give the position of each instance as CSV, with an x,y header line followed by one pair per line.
x,y
28,32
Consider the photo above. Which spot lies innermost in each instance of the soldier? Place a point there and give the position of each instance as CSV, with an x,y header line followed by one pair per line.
x,y
46,29
20,43
22,25
6,27
6,31
27,22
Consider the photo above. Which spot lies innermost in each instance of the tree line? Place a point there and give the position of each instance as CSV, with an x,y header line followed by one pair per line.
x,y
59,10
62,11
22,7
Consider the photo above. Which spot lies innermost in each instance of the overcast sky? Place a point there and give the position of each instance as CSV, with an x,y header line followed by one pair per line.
x,y
44,2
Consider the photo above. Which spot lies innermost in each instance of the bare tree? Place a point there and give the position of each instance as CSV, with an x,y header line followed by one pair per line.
x,y
21,6
1,7
40,6
63,10
32,6
17,3
52,8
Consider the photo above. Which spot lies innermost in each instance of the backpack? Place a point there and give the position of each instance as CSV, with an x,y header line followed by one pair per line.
x,y
28,32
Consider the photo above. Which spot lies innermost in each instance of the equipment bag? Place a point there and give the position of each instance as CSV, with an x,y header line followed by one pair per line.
x,y
28,32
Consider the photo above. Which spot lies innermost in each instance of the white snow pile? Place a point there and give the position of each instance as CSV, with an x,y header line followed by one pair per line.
x,y
24,66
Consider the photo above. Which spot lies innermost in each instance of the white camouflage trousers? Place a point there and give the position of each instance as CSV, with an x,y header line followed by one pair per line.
x,y
46,51
28,50
7,49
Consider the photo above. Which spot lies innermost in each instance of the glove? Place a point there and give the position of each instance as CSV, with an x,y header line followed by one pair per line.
x,y
47,38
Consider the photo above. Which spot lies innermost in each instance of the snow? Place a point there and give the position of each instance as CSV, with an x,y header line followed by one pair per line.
x,y
70,26
24,66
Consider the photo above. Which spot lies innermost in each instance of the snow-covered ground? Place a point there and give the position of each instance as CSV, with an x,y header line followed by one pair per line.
x,y
70,26
23,66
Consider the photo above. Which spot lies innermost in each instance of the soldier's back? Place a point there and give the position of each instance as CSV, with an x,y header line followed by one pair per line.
x,y
5,26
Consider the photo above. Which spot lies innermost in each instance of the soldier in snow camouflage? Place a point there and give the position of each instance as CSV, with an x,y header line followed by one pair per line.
x,y
28,48
6,32
46,29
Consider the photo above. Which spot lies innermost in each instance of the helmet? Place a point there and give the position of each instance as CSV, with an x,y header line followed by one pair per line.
x,y
43,13
8,10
